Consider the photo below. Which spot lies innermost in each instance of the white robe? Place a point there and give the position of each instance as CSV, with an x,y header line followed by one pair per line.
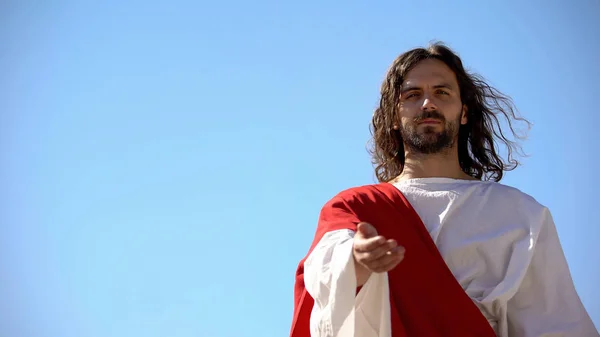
x,y
500,244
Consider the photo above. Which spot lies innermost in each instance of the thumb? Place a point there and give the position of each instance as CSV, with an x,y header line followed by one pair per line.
x,y
366,230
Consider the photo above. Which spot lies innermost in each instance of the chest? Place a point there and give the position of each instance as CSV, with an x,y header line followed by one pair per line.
x,y
477,236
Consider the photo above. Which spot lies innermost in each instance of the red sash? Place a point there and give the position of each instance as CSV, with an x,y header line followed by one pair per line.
x,y
425,298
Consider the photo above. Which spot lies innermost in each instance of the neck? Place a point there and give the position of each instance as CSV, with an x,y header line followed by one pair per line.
x,y
438,165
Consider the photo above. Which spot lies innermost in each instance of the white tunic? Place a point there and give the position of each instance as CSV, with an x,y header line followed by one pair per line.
x,y
500,244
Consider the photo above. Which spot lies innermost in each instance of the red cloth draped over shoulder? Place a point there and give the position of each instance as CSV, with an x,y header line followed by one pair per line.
x,y
425,298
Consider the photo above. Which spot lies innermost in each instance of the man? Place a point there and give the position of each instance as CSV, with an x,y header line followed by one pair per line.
x,y
438,247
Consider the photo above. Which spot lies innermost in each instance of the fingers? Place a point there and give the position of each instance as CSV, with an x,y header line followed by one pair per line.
x,y
368,245
388,262
372,253
366,238
366,230
382,259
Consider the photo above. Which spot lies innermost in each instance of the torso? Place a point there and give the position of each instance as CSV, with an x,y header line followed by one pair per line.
x,y
483,230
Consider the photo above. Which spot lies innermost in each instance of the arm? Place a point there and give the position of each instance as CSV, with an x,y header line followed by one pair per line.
x,y
547,303
330,274
331,280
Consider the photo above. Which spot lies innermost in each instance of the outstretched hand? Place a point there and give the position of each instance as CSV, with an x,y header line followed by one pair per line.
x,y
373,252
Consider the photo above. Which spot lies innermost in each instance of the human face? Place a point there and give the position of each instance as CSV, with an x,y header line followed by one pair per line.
x,y
430,108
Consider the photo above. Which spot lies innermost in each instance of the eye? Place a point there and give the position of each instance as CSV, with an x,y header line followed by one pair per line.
x,y
443,92
410,94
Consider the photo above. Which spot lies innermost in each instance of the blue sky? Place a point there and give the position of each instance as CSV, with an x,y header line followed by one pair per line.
x,y
164,163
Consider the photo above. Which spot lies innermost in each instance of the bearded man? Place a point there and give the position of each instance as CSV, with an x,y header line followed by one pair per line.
x,y
438,247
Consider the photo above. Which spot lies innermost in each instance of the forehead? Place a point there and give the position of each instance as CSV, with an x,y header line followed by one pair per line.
x,y
430,72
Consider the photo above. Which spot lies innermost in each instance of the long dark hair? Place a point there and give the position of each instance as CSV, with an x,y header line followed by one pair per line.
x,y
477,140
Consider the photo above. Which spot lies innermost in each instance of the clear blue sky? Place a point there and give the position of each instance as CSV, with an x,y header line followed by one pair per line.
x,y
164,162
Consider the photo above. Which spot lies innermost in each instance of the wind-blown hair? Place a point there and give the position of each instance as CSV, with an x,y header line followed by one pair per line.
x,y
477,140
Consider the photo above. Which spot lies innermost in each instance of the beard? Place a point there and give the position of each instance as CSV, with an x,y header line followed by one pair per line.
x,y
428,140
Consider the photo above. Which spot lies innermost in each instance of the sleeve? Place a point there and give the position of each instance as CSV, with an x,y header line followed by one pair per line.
x,y
330,279
547,303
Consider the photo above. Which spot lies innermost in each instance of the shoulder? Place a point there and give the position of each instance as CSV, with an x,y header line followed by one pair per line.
x,y
513,197
510,207
361,194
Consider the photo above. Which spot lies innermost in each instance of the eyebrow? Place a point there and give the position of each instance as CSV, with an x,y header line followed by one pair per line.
x,y
438,86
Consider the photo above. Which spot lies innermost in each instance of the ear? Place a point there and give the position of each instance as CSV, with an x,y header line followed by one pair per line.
x,y
463,117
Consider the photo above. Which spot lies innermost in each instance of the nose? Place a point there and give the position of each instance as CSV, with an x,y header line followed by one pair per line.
x,y
428,104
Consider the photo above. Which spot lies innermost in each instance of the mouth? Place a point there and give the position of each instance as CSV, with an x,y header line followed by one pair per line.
x,y
430,121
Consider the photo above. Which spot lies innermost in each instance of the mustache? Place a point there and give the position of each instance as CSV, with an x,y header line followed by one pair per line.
x,y
430,115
